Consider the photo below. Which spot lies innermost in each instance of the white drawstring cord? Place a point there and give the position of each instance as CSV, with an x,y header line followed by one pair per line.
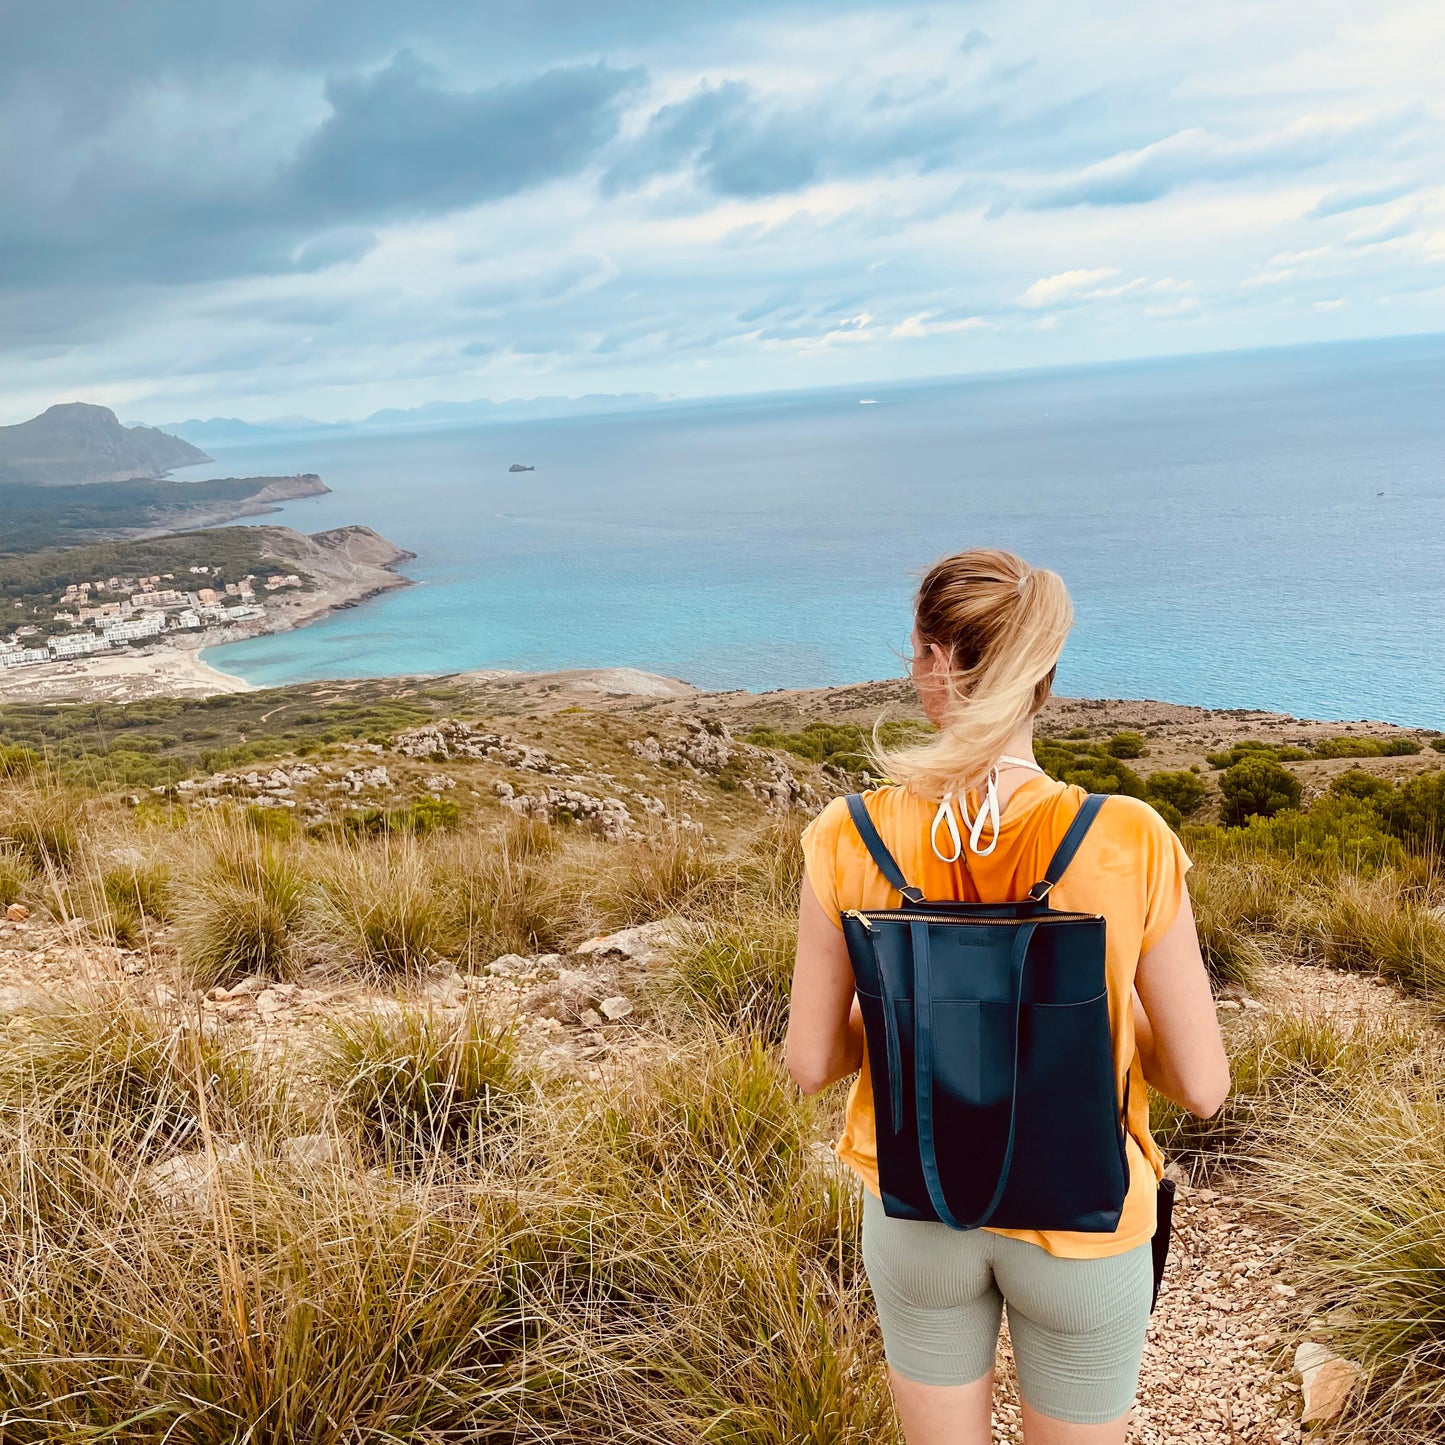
x,y
987,811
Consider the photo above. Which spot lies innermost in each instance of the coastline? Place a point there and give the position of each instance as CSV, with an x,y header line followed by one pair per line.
x,y
347,565
128,676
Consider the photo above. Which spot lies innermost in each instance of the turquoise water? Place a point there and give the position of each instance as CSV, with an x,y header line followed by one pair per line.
x,y
1218,519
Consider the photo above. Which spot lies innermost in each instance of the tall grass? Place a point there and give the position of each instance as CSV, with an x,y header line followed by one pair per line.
x,y
241,907
414,1082
377,905
733,969
1362,1182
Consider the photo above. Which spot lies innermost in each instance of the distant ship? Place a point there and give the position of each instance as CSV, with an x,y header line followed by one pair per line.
x,y
867,401
518,467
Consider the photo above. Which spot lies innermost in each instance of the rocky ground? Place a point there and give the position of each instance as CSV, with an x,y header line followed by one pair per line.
x,y
1219,1366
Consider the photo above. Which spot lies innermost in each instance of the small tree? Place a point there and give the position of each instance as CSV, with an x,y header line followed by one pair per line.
x,y
1257,787
1182,791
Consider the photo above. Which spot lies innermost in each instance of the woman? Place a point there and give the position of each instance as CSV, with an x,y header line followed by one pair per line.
x,y
971,816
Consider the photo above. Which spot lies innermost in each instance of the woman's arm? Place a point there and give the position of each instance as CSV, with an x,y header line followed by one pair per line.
x,y
825,1027
1175,1023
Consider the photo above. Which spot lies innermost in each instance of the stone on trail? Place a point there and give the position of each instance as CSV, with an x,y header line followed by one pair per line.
x,y
1328,1380
616,1007
509,965
646,943
16,913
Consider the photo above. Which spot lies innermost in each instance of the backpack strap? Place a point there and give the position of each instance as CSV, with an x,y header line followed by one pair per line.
x,y
878,850
1068,846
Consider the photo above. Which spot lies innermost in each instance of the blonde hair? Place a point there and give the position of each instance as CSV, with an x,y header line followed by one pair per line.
x,y
1002,625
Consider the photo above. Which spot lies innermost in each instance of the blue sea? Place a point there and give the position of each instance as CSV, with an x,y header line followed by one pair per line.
x,y
1259,529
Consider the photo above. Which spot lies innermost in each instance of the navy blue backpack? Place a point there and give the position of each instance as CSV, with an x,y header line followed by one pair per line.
x,y
987,1028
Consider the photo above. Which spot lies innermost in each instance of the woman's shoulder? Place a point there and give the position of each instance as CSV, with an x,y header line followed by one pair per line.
x,y
885,803
1135,830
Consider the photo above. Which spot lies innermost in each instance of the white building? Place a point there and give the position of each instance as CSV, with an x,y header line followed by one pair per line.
x,y
23,655
80,645
148,625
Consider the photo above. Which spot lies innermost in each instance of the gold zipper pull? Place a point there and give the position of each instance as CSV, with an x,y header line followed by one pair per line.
x,y
855,913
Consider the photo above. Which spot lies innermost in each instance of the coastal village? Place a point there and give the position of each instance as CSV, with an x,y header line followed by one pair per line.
x,y
96,615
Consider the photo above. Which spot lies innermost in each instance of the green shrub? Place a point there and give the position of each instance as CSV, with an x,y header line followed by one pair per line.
x,y
1089,766
1127,744
424,815
1183,791
1438,744
1415,812
18,762
1254,747
841,745
1256,787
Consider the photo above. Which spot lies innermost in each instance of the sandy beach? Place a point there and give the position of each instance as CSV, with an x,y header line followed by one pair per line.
x,y
164,671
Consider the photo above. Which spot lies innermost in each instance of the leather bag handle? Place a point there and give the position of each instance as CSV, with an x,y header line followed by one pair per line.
x,y
1068,846
923,1070
878,850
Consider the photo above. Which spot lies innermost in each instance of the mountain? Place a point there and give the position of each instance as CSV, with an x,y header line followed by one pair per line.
x,y
231,431
76,443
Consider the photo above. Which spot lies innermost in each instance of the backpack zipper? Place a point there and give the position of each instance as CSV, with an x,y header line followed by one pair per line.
x,y
910,915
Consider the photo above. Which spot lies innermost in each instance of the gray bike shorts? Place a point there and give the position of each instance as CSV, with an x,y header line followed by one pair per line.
x,y
1077,1325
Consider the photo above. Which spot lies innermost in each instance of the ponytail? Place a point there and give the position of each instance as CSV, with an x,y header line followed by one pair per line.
x,y
1002,625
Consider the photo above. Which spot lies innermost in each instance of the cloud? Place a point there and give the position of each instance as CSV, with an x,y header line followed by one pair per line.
x,y
1198,154
335,248
929,323
1357,198
735,139
349,204
1066,286
397,142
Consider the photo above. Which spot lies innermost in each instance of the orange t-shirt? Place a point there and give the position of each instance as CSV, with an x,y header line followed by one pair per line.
x,y
1130,868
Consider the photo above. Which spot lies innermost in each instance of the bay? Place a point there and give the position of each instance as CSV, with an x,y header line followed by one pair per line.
x,y
1252,529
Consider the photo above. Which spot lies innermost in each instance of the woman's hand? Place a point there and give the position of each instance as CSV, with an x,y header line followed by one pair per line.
x,y
825,1026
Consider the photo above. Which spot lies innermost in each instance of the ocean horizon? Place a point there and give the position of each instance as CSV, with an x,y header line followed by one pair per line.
x,y
1256,529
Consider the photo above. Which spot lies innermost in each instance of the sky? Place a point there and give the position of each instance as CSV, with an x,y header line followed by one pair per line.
x,y
326,207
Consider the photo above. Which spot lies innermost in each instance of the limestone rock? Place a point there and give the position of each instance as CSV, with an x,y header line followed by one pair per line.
x,y
609,816
647,943
312,1151
509,965
616,1007
1328,1380
452,738
16,913
186,1181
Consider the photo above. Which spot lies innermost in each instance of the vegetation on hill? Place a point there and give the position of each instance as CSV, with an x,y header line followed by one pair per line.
x,y
409,1220
62,516
40,578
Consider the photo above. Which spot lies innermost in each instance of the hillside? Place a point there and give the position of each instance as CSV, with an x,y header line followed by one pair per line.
x,y
430,1012
62,516
75,443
